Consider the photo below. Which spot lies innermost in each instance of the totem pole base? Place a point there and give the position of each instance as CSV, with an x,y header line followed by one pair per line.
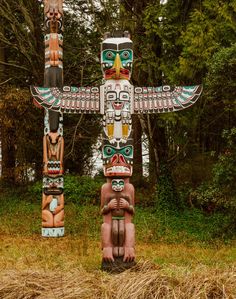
x,y
117,266
54,232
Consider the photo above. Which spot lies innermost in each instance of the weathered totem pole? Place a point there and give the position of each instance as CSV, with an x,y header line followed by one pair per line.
x,y
116,100
53,142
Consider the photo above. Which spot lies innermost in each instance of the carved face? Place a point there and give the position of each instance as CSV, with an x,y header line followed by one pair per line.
x,y
117,161
117,58
117,113
117,185
53,8
53,185
53,11
118,100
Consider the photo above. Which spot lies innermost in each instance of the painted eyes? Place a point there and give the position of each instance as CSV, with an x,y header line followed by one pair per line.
x,y
110,55
109,151
118,183
127,151
125,55
124,96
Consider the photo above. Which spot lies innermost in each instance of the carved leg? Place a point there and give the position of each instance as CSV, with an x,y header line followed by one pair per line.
x,y
107,254
47,218
121,237
129,254
59,219
115,237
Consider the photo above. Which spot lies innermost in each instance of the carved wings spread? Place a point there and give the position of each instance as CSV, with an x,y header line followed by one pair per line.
x,y
68,100
165,99
162,99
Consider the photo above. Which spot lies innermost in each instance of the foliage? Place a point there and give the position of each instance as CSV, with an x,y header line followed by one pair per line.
x,y
220,192
179,42
15,103
80,190
21,209
21,39
166,195
197,46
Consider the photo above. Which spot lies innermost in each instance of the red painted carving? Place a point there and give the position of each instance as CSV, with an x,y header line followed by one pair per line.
x,y
117,208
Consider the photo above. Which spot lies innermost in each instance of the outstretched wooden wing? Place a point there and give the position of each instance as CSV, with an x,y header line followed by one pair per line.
x,y
68,100
165,99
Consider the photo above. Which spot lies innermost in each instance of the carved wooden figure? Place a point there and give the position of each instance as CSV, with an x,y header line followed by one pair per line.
x,y
116,100
117,208
53,142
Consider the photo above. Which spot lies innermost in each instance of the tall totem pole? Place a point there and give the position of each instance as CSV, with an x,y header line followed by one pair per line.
x,y
53,142
116,100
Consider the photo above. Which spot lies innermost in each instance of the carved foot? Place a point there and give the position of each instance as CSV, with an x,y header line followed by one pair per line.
x,y
107,254
117,266
129,254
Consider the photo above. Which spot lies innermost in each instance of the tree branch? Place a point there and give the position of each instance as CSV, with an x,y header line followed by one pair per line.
x,y
14,65
4,82
74,135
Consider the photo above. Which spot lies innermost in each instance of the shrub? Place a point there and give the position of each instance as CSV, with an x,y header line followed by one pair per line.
x,y
80,190
220,192
166,195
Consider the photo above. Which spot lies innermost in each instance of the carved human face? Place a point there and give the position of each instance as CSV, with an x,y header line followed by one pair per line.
x,y
117,185
117,161
53,185
117,58
117,110
118,100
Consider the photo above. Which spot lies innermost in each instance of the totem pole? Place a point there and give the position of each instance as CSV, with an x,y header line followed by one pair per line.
x,y
53,142
116,100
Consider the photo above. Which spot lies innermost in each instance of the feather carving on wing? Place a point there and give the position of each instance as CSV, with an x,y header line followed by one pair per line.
x,y
165,99
67,100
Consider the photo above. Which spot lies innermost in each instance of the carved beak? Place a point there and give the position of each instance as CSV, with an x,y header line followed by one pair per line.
x,y
117,65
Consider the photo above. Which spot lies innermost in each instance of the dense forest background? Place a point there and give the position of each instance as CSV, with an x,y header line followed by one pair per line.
x,y
181,42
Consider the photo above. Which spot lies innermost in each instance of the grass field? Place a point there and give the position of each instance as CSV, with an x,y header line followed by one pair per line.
x,y
179,256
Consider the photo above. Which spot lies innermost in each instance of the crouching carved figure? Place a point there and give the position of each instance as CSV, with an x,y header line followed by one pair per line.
x,y
118,233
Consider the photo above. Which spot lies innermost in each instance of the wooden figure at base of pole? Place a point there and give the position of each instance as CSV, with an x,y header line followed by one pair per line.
x,y
118,232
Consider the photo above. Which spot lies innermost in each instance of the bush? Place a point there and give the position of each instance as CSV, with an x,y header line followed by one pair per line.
x,y
80,190
166,194
220,192
224,171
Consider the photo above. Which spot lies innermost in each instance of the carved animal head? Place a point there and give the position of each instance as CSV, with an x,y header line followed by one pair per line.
x,y
117,159
117,56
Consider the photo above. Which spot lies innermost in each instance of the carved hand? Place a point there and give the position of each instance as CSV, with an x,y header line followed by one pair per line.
x,y
124,204
112,205
49,199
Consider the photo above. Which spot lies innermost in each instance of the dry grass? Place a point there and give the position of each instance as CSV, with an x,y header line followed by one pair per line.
x,y
23,253
145,281
36,267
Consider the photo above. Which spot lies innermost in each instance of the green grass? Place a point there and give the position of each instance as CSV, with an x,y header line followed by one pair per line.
x,y
21,216
188,226
188,238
